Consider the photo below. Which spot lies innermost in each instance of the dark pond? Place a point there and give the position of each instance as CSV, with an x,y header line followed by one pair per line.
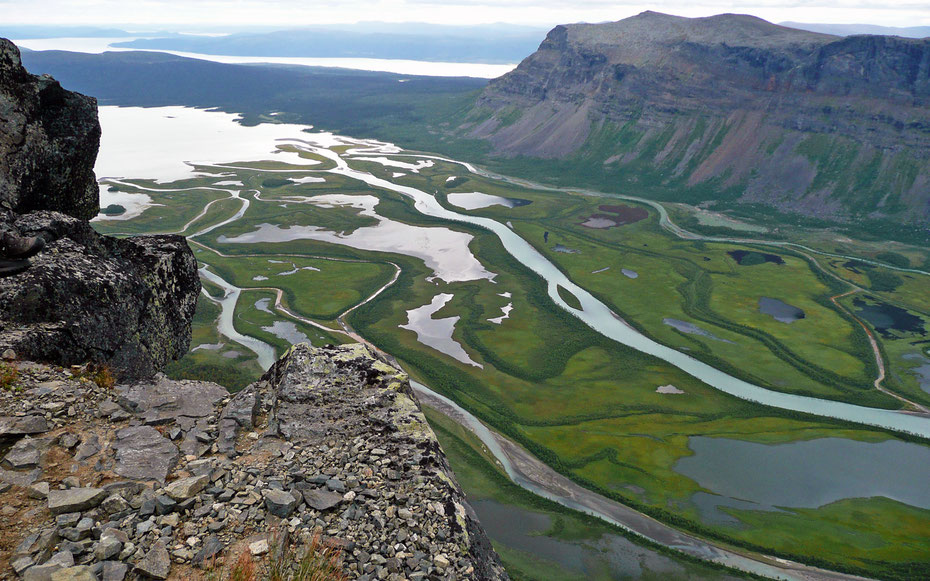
x,y
886,318
806,474
751,257
780,311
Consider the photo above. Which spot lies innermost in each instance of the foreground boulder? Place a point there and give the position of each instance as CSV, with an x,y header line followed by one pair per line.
x,y
328,450
124,302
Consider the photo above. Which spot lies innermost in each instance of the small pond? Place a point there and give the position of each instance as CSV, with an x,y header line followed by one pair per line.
x,y
444,250
780,311
886,318
751,257
805,474
477,200
437,333
922,371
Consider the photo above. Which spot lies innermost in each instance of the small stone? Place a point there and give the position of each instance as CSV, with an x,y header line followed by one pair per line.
x,y
71,482
108,548
74,499
9,355
259,547
441,562
39,490
114,503
69,440
164,504
114,571
279,503
88,448
156,563
187,487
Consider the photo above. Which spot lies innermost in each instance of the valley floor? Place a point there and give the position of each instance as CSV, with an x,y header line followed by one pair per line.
x,y
339,240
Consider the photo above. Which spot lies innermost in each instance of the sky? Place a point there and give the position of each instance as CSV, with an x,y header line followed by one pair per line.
x,y
210,14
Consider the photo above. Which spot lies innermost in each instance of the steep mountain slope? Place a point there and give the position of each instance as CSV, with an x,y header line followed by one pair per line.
x,y
728,108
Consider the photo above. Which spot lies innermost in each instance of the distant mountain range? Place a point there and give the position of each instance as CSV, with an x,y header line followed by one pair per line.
x,y
851,29
730,109
467,44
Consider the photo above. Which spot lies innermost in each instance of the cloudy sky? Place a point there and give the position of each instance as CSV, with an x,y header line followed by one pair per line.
x,y
213,13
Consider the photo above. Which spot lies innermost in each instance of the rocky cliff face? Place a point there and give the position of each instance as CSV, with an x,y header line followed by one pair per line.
x,y
728,106
161,478
127,303
48,143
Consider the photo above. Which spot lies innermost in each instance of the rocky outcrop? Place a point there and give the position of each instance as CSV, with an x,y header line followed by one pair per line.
x,y
727,107
48,143
328,450
124,302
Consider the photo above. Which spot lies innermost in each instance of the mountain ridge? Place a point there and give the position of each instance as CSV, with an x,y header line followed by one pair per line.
x,y
757,112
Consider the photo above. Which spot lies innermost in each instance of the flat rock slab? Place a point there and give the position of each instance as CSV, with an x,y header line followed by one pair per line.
x,y
161,399
74,499
21,426
23,455
156,563
143,453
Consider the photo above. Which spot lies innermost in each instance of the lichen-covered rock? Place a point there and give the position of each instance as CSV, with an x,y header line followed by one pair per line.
x,y
127,302
48,142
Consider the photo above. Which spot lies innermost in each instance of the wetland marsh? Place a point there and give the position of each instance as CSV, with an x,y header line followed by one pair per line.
x,y
574,376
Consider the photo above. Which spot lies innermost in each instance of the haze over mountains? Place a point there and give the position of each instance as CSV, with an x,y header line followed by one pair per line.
x,y
729,108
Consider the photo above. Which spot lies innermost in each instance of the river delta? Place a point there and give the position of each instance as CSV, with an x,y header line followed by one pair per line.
x,y
445,268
